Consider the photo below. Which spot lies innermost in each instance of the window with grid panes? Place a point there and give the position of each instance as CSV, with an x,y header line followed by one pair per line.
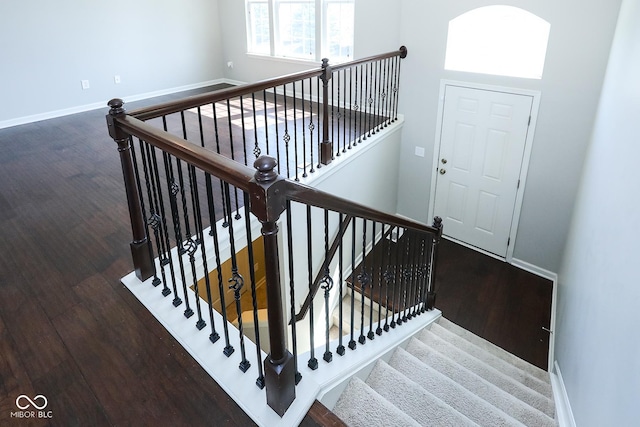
x,y
302,29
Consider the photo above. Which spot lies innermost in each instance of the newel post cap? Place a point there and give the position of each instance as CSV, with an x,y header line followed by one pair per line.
x,y
265,169
116,106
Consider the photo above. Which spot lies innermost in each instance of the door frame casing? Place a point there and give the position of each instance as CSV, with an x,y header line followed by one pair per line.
x,y
524,167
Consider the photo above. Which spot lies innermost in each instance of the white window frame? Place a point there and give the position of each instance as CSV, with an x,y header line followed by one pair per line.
x,y
320,36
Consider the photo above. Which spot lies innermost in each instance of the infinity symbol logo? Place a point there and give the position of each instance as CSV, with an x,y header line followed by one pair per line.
x,y
31,402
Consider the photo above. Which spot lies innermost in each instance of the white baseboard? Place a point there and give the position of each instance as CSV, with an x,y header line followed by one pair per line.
x,y
564,414
538,271
103,104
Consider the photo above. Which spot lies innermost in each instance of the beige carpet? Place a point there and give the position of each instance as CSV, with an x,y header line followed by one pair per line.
x,y
447,376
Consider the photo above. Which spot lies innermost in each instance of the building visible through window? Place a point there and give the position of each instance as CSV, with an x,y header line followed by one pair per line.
x,y
303,29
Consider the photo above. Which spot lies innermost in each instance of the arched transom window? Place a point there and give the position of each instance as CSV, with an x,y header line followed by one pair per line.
x,y
500,40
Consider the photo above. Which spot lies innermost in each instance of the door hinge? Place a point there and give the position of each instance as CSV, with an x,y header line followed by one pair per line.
x,y
529,122
508,241
518,185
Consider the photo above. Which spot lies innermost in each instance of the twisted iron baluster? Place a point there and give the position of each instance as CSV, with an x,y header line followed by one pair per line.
x,y
236,282
313,362
174,189
327,285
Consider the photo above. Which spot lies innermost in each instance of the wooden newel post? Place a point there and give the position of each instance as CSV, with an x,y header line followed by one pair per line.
x,y
267,203
326,146
431,294
142,262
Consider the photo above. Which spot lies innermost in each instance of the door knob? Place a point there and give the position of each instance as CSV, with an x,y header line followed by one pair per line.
x,y
442,171
444,161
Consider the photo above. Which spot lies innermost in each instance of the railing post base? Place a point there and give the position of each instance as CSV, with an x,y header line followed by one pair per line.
x,y
431,300
142,262
280,383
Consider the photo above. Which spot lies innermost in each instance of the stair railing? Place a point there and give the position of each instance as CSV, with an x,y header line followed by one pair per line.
x,y
183,199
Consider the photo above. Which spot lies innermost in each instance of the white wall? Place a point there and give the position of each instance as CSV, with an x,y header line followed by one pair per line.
x,y
577,54
597,346
377,30
47,48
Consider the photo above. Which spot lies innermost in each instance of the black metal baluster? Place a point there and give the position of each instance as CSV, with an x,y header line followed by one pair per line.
x,y
313,362
397,271
381,278
338,113
292,295
254,298
286,137
275,115
226,220
304,134
352,111
266,121
312,126
169,260
295,131
236,282
244,128
388,280
363,106
352,341
233,157
396,89
385,95
194,241
228,349
327,285
370,334
346,124
340,348
174,189
412,276
364,280
256,147
378,92
355,108
371,100
407,275
153,219
422,276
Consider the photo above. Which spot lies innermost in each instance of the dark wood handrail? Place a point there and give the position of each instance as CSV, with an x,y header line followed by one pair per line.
x,y
304,194
402,53
211,162
220,95
318,280
194,101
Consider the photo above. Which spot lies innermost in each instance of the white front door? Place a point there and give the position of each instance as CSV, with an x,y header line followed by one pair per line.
x,y
482,144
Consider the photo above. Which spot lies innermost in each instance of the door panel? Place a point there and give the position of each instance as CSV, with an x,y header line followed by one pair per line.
x,y
482,143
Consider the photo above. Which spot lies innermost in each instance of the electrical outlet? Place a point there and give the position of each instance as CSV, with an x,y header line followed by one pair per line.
x,y
230,64
116,79
85,84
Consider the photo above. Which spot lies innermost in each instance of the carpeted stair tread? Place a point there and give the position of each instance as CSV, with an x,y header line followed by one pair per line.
x,y
539,416
483,370
360,406
501,365
462,400
525,377
541,374
412,399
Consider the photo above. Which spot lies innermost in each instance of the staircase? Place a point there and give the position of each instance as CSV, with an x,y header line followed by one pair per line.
x,y
447,376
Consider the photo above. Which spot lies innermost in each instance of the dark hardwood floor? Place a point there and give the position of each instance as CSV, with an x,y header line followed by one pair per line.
x,y
70,331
